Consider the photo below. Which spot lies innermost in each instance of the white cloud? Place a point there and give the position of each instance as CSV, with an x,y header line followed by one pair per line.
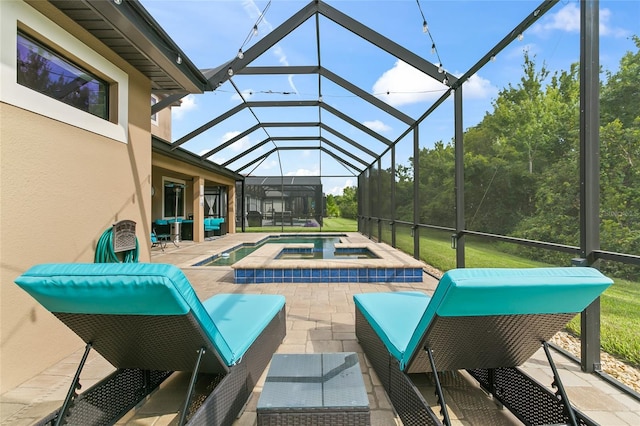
x,y
338,190
477,87
568,19
377,126
187,104
303,172
237,146
266,165
404,84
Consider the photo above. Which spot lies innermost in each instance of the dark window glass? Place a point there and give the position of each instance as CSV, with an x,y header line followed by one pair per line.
x,y
173,199
43,70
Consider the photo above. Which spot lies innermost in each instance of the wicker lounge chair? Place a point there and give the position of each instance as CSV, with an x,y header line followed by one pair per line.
x,y
487,321
147,321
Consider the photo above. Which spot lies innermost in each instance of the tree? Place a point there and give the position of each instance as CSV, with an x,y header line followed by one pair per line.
x,y
620,97
332,206
348,202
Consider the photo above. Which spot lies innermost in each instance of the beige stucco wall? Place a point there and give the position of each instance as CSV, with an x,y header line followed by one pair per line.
x,y
61,187
162,125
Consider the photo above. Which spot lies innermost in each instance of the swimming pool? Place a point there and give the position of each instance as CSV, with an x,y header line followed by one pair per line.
x,y
323,248
316,259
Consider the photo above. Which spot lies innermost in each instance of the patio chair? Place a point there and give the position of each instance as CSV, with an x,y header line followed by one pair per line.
x,y
159,240
147,321
487,321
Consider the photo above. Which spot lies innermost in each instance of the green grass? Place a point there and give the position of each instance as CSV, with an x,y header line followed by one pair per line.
x,y
335,224
620,320
619,304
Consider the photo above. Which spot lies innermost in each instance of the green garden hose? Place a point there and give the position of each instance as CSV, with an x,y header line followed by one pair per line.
x,y
105,253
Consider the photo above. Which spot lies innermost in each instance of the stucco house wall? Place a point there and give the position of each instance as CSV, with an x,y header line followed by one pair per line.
x,y
61,187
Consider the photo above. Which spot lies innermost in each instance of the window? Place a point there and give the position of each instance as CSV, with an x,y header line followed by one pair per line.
x,y
154,117
43,70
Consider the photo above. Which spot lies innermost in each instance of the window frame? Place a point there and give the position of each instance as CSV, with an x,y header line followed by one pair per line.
x,y
17,15
69,69
170,180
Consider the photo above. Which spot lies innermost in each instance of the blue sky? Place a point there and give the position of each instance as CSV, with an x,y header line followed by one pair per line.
x,y
212,32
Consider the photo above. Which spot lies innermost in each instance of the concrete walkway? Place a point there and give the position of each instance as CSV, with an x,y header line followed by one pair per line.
x,y
320,318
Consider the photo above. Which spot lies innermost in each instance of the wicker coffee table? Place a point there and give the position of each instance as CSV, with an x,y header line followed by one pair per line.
x,y
320,389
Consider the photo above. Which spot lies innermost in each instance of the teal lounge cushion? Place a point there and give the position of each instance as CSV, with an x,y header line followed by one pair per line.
x,y
510,291
133,289
400,319
242,317
393,316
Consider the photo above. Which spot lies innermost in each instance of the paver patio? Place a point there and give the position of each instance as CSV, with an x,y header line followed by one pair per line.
x,y
320,318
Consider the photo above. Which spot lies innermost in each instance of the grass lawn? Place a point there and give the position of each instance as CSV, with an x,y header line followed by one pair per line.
x,y
335,224
619,304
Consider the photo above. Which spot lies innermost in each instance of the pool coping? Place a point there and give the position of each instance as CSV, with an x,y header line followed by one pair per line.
x,y
263,266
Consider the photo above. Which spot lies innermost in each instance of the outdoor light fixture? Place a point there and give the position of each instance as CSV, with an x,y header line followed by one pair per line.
x,y
493,58
240,54
230,71
117,1
520,37
445,81
425,28
255,30
320,98
433,48
178,58
440,69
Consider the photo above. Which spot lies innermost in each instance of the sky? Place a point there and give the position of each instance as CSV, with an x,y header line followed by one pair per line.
x,y
211,33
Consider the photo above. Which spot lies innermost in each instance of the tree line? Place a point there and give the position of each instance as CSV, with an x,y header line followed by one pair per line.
x,y
521,163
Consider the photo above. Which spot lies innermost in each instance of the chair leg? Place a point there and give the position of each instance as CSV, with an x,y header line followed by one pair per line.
x,y
557,383
75,385
192,384
439,391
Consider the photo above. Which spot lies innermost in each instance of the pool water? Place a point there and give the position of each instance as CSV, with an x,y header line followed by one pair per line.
x,y
323,248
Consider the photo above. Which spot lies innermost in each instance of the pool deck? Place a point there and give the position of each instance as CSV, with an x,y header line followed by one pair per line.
x,y
320,318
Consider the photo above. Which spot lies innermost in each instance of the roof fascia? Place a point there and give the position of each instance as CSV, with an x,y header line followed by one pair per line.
x,y
135,24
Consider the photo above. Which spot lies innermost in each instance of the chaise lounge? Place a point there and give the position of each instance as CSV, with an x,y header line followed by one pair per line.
x,y
148,322
487,321
212,226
